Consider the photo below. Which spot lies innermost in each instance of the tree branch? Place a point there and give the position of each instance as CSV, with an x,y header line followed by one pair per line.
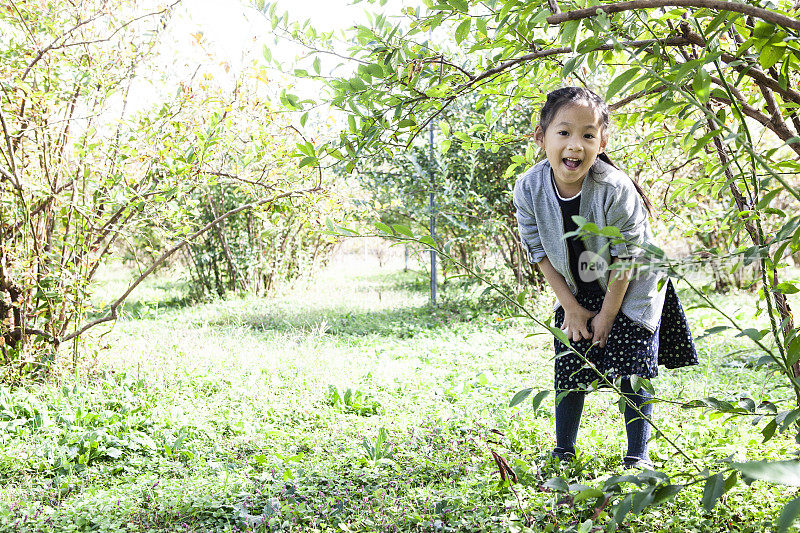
x,y
617,7
737,64
112,315
54,46
635,96
778,128
671,41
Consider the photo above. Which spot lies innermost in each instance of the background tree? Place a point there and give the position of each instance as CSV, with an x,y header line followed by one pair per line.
x,y
80,175
470,189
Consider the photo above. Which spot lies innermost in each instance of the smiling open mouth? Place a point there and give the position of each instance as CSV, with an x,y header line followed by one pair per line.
x,y
571,163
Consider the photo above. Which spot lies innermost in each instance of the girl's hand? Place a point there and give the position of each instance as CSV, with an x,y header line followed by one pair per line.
x,y
601,327
576,323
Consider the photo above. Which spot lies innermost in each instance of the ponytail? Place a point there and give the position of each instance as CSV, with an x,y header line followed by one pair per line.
x,y
647,203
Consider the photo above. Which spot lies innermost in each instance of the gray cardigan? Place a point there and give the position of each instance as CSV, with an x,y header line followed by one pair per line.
x,y
608,198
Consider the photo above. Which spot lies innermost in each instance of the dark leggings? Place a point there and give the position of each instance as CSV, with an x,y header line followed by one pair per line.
x,y
568,418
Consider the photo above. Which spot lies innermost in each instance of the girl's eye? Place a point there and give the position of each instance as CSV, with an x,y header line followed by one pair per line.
x,y
589,136
563,132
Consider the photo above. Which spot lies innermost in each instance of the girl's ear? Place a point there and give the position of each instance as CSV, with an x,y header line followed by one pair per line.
x,y
603,142
538,136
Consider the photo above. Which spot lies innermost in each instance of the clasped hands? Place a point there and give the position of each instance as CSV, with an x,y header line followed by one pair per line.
x,y
580,323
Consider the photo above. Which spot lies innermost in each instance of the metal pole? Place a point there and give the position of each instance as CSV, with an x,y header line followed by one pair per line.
x,y
432,219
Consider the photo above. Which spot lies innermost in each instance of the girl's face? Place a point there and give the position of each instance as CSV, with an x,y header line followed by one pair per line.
x,y
572,142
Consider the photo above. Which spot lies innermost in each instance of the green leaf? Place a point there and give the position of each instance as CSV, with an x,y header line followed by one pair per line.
x,y
731,481
460,5
793,351
701,85
623,508
767,198
770,55
665,493
307,161
403,230
621,81
769,430
715,486
570,65
383,227
587,493
557,484
587,45
462,30
642,499
789,419
560,335
610,231
520,397
537,400
786,287
788,515
764,30
753,333
780,472
569,32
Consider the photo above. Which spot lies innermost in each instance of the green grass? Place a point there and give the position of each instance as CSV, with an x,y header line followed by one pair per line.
x,y
221,416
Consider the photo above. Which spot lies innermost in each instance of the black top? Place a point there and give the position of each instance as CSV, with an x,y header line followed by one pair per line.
x,y
575,246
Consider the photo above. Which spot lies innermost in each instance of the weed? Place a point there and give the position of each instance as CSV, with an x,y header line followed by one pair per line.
x,y
352,402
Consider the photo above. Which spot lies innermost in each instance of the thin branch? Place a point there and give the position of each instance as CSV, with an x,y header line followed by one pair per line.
x,y
671,41
617,7
54,46
237,178
441,61
6,174
112,315
11,158
636,96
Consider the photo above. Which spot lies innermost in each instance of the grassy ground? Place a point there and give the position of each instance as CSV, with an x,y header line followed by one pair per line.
x,y
348,404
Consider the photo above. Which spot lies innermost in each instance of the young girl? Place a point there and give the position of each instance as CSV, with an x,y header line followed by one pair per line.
x,y
624,325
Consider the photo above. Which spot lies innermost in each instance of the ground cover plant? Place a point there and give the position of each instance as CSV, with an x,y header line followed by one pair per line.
x,y
224,416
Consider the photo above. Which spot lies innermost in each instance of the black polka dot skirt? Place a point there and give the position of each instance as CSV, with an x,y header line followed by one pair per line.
x,y
631,348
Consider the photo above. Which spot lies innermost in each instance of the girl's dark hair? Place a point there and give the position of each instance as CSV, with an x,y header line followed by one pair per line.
x,y
578,95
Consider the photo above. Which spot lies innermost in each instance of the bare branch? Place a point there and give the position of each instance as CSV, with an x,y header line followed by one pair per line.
x,y
11,159
6,174
617,7
440,59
